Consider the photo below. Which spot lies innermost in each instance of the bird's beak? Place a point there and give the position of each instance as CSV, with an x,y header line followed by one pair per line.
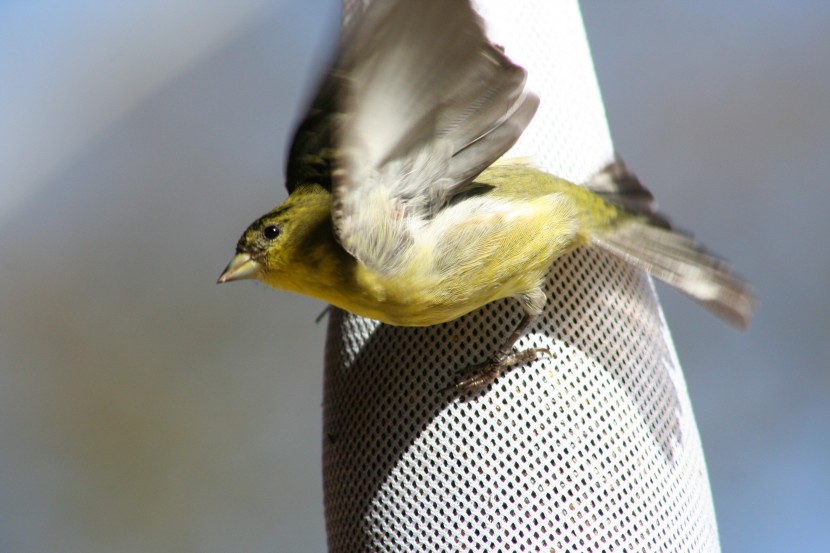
x,y
241,267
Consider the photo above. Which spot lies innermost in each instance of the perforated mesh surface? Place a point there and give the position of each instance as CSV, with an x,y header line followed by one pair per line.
x,y
593,449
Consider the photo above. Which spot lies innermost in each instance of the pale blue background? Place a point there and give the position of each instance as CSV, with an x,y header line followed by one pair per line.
x,y
143,408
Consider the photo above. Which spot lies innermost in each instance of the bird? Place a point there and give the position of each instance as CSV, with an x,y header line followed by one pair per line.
x,y
400,208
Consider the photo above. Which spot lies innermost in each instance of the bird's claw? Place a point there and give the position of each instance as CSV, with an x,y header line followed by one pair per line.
x,y
483,374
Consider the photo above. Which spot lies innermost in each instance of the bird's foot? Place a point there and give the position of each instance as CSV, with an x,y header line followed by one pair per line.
x,y
477,377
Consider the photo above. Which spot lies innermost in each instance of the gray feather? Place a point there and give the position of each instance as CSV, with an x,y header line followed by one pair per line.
x,y
679,261
424,103
616,184
648,242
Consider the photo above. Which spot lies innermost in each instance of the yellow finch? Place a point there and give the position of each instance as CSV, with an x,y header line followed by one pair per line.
x,y
397,212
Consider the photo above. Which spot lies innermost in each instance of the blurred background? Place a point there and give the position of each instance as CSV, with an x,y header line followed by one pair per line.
x,y
143,408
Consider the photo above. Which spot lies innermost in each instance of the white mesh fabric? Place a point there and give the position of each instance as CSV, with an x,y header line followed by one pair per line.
x,y
593,449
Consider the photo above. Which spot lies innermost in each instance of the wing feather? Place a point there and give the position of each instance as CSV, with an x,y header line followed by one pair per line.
x,y
416,105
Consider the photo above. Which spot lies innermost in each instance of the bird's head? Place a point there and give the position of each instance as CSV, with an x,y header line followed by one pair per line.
x,y
273,247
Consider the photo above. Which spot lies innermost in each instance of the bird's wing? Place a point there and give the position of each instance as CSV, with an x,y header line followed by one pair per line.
x,y
417,104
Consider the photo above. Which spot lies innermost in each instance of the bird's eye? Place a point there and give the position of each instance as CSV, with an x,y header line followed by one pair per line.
x,y
271,232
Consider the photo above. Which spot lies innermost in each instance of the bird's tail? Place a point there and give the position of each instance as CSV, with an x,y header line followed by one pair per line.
x,y
647,241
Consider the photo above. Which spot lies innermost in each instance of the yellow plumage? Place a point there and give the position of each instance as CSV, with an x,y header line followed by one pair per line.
x,y
398,212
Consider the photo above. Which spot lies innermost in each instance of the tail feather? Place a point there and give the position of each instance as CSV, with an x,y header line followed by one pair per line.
x,y
683,263
647,242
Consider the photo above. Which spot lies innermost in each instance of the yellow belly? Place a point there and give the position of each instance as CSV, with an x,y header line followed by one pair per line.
x,y
463,261
413,305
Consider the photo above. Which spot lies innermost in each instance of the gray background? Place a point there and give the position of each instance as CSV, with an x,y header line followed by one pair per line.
x,y
143,408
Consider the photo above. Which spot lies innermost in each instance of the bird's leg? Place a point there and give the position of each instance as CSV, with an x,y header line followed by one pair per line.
x,y
322,314
481,375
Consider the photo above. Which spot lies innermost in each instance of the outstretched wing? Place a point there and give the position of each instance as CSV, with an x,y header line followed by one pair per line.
x,y
311,157
418,103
